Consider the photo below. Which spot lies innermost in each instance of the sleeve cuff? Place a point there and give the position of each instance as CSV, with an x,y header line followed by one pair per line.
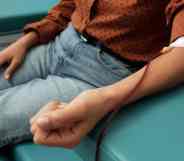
x,y
46,30
178,42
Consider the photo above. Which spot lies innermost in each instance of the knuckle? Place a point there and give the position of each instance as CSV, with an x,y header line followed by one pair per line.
x,y
55,119
72,143
36,140
52,105
54,102
86,92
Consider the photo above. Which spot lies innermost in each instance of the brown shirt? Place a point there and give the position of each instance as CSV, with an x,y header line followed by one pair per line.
x,y
134,29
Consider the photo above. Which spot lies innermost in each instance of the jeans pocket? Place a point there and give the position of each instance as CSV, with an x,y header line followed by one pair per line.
x,y
113,65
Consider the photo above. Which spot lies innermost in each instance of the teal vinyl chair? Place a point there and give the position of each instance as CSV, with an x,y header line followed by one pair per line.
x,y
14,14
149,130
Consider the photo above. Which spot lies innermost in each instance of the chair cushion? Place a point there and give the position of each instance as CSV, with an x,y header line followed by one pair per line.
x,y
151,129
32,152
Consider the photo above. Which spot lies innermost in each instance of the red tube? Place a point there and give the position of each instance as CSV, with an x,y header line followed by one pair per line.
x,y
103,131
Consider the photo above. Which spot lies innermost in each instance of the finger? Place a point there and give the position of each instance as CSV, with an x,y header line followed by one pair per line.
x,y
3,58
11,68
56,138
66,137
59,118
51,106
70,139
40,136
72,113
33,128
83,128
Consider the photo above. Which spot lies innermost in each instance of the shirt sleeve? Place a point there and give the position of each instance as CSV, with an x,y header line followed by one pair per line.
x,y
56,21
175,18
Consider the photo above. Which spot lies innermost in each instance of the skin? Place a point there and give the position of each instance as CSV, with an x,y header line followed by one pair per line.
x,y
67,126
16,52
61,124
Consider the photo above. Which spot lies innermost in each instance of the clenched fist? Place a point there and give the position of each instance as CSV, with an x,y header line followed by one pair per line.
x,y
59,124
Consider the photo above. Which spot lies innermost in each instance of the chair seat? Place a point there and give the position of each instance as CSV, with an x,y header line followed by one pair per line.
x,y
31,152
151,129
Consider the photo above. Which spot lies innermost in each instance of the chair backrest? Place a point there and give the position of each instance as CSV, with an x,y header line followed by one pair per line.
x,y
14,14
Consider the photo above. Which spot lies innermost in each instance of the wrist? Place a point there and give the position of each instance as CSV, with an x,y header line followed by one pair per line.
x,y
29,40
119,93
112,97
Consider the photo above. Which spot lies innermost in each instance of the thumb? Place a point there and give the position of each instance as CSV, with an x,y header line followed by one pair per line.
x,y
59,118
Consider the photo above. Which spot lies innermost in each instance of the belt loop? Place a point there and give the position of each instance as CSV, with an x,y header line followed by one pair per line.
x,y
100,51
99,46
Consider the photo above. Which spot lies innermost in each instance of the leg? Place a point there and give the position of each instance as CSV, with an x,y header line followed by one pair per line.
x,y
77,66
20,103
39,62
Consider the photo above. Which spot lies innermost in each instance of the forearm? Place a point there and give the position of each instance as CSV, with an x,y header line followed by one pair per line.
x,y
29,40
164,72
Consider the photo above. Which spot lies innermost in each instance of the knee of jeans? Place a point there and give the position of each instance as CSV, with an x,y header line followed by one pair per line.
x,y
12,124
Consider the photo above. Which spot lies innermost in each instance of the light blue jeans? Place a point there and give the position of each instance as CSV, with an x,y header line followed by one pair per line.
x,y
59,70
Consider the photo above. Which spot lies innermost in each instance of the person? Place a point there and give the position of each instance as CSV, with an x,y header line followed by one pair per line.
x,y
81,61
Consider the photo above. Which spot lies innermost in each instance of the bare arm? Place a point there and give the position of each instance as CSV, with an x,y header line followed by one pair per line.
x,y
29,40
164,72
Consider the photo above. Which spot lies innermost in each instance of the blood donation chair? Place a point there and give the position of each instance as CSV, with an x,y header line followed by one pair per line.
x,y
150,130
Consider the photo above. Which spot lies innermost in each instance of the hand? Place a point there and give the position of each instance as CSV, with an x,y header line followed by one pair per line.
x,y
51,106
14,54
68,125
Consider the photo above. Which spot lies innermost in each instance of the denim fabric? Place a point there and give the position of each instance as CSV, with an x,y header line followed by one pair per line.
x,y
59,70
